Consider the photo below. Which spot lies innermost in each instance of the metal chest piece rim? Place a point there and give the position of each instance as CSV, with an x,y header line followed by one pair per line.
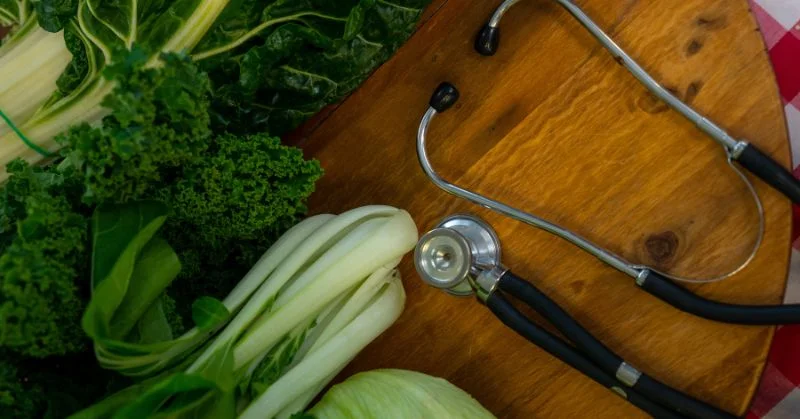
x,y
456,250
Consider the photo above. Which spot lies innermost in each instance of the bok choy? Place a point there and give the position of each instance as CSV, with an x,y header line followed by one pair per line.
x,y
319,295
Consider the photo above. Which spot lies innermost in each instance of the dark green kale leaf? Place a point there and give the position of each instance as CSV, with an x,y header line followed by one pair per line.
x,y
53,15
241,187
52,388
159,121
233,200
304,55
43,257
17,401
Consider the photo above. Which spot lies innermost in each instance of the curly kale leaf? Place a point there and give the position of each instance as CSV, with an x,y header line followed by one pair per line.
x,y
234,199
54,387
17,401
159,121
242,187
44,255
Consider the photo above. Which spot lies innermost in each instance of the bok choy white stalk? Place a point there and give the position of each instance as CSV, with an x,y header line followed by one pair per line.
x,y
323,361
324,291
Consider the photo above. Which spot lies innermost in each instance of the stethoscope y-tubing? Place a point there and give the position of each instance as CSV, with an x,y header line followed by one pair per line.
x,y
680,298
552,344
605,359
744,153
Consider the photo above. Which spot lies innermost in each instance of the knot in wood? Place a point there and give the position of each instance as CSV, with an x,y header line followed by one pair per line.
x,y
662,247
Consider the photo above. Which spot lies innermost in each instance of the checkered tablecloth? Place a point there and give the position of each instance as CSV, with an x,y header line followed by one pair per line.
x,y
778,395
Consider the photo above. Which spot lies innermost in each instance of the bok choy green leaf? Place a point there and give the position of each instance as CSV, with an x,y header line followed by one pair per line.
x,y
323,292
130,271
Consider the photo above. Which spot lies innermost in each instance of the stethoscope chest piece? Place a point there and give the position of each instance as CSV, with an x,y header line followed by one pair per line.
x,y
447,256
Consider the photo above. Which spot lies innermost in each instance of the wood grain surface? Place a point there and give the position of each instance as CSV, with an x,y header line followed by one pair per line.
x,y
554,125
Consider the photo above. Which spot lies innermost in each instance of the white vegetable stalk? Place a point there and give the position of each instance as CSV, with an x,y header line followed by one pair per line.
x,y
152,363
30,63
41,124
391,240
355,305
28,74
286,245
305,253
324,362
312,303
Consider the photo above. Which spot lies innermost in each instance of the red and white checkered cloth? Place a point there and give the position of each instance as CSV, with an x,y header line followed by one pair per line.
x,y
778,394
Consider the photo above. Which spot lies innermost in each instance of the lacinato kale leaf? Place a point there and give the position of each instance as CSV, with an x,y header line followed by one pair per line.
x,y
274,66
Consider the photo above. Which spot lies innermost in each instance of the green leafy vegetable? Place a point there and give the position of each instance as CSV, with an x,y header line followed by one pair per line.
x,y
51,388
14,402
120,233
155,267
159,122
208,312
272,63
397,394
153,325
153,400
302,56
277,361
315,299
14,12
44,241
130,270
54,14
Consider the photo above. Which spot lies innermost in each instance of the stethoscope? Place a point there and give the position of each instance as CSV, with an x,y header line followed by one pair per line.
x,y
462,255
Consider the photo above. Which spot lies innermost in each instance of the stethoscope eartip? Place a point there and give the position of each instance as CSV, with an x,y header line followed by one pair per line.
x,y
444,97
487,40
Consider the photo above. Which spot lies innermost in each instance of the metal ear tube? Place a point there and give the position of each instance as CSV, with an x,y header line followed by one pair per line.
x,y
656,283
742,152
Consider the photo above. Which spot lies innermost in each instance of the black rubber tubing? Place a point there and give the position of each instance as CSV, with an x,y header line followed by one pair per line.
x,y
689,302
770,172
605,358
555,346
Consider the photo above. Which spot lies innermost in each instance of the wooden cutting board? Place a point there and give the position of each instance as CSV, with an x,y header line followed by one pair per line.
x,y
554,125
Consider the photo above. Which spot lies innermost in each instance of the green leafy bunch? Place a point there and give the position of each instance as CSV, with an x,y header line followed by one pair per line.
x,y
159,121
228,197
42,261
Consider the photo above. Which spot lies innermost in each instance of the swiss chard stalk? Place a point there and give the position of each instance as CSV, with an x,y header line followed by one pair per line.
x,y
31,61
272,63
